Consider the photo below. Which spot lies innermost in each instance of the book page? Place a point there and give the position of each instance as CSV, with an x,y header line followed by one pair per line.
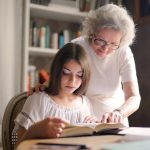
x,y
88,128
77,131
108,126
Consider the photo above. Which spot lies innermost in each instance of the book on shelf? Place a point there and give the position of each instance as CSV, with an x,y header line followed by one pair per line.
x,y
91,129
66,33
54,43
42,37
35,34
41,2
31,76
70,3
47,36
61,39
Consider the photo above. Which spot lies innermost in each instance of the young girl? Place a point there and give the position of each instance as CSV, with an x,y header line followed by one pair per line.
x,y
70,75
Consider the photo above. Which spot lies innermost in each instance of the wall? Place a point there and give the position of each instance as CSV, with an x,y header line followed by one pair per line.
x,y
141,50
10,50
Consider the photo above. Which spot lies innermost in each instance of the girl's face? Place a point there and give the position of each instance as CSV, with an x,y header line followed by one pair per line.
x,y
71,77
106,41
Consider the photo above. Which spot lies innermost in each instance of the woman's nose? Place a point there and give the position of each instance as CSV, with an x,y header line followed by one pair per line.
x,y
105,47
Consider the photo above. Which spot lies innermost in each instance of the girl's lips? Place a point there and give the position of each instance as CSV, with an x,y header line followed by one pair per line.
x,y
70,87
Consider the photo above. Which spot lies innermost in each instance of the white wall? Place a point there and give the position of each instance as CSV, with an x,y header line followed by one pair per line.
x,y
10,50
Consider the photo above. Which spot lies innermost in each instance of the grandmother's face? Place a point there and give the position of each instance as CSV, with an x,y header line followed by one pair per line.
x,y
106,41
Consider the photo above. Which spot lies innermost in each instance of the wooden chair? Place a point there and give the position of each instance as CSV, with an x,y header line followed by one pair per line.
x,y
14,106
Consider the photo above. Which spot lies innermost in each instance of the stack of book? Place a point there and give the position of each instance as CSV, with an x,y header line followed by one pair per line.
x,y
42,36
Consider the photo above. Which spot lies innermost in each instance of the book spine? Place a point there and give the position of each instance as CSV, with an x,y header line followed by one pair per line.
x,y
93,4
35,35
61,40
42,37
31,76
81,5
66,36
47,36
104,2
55,40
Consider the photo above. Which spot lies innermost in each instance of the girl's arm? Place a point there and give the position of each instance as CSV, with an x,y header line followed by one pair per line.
x,y
47,128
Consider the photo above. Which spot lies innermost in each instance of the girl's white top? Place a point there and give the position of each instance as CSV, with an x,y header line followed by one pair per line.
x,y
40,106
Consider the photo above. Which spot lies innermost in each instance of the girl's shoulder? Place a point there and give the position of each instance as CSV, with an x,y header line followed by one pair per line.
x,y
37,98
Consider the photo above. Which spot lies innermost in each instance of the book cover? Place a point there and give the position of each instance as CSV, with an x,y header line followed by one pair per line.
x,y
90,129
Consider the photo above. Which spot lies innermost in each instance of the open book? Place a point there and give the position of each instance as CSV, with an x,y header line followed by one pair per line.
x,y
90,129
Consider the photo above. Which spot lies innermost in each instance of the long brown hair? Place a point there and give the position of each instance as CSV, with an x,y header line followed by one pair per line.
x,y
68,52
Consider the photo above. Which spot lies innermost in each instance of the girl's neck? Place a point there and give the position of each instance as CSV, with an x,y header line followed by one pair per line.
x,y
68,101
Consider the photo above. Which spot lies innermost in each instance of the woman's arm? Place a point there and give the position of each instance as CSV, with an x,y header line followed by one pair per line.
x,y
38,88
132,98
132,103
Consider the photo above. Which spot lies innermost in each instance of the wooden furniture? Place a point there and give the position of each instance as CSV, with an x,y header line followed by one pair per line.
x,y
12,109
93,142
58,17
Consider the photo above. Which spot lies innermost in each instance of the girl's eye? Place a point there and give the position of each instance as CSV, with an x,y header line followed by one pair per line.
x,y
80,75
65,71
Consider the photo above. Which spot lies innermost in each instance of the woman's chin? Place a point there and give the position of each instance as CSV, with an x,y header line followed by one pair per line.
x,y
102,54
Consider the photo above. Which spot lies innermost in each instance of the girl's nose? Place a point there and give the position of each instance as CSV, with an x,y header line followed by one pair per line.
x,y
72,78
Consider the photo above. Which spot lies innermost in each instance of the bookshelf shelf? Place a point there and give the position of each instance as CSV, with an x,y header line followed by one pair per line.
x,y
49,52
59,18
58,12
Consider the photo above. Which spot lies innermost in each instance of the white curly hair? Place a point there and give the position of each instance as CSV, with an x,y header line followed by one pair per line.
x,y
110,16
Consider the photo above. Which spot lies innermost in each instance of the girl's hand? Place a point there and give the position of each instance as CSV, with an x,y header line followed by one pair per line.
x,y
112,117
91,119
49,127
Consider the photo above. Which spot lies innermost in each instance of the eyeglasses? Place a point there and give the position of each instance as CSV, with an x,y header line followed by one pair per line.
x,y
103,43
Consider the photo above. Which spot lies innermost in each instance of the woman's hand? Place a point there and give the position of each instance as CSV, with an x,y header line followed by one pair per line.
x,y
91,119
49,127
37,88
112,117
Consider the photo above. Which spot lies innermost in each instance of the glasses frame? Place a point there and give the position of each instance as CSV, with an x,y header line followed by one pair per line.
x,y
102,43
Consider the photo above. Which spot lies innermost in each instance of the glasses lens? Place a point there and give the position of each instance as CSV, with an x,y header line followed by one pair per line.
x,y
114,47
101,42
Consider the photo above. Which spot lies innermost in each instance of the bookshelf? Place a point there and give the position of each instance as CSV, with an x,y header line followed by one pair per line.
x,y
59,17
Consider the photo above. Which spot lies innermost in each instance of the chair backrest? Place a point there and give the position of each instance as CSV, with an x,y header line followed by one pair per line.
x,y
14,106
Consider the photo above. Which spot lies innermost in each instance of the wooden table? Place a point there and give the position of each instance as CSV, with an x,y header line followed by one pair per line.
x,y
93,142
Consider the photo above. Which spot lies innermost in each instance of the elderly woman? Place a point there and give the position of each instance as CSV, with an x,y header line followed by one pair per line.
x,y
113,90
